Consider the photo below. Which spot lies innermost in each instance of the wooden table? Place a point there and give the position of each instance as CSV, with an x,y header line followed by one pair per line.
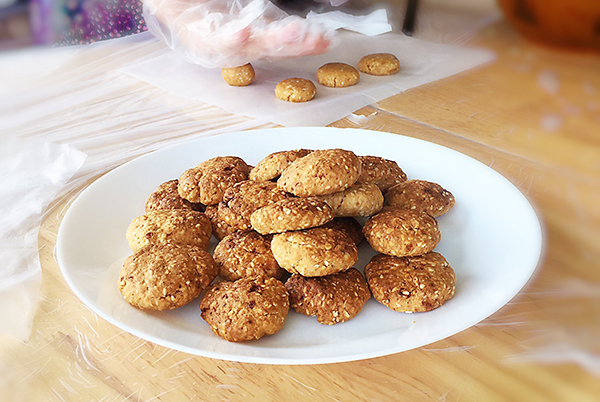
x,y
533,115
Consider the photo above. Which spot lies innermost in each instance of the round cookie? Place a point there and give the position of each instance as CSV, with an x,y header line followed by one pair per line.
x,y
314,252
384,173
332,298
245,254
167,197
420,195
411,284
358,200
273,164
348,225
220,228
245,197
166,277
402,232
296,90
291,214
169,226
337,75
246,309
379,64
240,76
207,182
321,172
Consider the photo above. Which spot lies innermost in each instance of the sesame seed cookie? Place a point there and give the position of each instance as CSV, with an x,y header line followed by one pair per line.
x,y
296,90
167,197
379,64
321,172
314,252
207,182
291,214
220,228
245,197
411,284
348,225
332,298
169,226
166,277
240,76
246,309
245,254
420,195
402,232
337,75
273,164
358,200
384,173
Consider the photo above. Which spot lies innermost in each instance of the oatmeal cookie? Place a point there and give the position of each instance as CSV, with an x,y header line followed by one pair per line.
x,y
273,164
220,228
246,309
245,254
207,182
357,200
314,252
167,197
379,64
411,284
332,298
420,195
291,214
166,277
321,172
296,90
402,232
384,173
348,225
337,75
245,197
240,76
169,226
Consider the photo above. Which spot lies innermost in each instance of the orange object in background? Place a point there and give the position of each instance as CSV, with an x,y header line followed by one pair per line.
x,y
565,23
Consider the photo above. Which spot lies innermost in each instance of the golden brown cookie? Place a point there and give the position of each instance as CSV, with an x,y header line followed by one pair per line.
x,y
420,195
169,226
245,197
348,225
246,309
163,277
321,172
402,232
239,76
411,284
207,182
314,252
245,254
384,173
220,228
379,64
291,214
357,200
296,90
167,197
273,164
332,298
337,75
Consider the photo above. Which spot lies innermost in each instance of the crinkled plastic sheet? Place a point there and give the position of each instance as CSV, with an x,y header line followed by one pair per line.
x,y
71,353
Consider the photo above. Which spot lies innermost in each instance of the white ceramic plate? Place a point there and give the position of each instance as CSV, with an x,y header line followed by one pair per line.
x,y
492,238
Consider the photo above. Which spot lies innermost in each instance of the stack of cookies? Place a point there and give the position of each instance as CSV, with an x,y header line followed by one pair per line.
x,y
288,236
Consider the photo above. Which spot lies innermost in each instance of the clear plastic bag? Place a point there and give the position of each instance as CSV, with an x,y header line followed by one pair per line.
x,y
229,33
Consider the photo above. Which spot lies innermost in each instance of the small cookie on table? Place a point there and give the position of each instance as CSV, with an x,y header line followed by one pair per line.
x,y
246,309
240,76
379,64
296,90
411,284
166,277
337,75
332,299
